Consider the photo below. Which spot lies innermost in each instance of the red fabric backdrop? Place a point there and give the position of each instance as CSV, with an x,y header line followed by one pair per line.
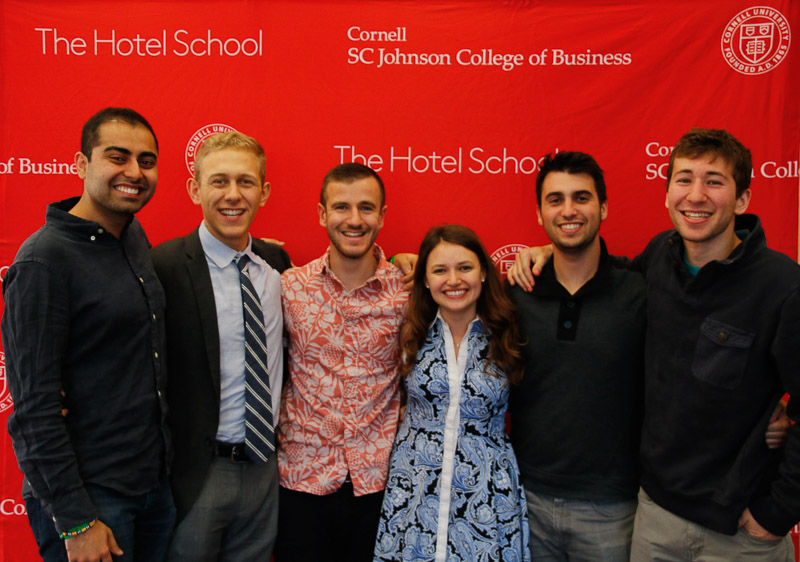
x,y
453,102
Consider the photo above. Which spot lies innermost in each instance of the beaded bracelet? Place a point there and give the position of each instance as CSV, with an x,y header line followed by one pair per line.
x,y
75,531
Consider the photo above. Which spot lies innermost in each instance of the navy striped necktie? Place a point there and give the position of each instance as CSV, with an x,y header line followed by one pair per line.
x,y
259,432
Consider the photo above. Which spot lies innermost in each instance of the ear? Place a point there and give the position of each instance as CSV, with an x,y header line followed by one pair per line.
x,y
194,190
323,215
743,201
382,216
81,163
539,216
604,210
265,191
666,199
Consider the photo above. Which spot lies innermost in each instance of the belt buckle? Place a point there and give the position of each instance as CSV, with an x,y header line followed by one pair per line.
x,y
238,455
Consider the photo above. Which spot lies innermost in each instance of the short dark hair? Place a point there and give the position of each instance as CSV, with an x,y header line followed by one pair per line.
x,y
90,135
349,173
718,143
571,162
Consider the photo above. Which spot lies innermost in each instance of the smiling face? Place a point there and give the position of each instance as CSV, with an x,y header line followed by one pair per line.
x,y
571,211
121,175
353,216
229,190
702,203
454,276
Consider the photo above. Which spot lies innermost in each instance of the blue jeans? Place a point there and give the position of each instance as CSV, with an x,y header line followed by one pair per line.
x,y
579,530
142,525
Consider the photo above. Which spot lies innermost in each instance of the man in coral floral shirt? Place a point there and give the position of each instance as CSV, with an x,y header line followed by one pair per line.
x,y
341,405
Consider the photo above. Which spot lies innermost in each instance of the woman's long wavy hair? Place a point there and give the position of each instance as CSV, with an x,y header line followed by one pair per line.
x,y
494,307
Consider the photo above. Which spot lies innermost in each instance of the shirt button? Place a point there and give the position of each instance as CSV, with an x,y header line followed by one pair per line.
x,y
568,324
155,354
723,336
159,394
92,238
100,231
154,316
141,280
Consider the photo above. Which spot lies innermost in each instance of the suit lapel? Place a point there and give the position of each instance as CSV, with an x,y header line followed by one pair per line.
x,y
200,278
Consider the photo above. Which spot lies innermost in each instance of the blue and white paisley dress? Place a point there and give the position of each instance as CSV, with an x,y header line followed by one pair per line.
x,y
453,490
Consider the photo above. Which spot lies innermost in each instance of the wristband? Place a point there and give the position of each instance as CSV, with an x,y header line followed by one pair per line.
x,y
75,531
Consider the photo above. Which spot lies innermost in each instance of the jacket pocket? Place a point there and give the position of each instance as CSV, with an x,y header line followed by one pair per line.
x,y
720,357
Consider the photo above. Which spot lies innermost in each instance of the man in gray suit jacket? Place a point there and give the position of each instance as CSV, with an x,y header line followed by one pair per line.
x,y
225,491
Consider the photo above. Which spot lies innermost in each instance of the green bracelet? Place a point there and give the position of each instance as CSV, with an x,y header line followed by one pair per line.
x,y
391,260
75,531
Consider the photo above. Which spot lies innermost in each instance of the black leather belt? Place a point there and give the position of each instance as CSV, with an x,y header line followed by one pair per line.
x,y
233,451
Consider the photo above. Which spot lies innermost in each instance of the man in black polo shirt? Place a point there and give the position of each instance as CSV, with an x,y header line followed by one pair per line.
x,y
575,417
83,331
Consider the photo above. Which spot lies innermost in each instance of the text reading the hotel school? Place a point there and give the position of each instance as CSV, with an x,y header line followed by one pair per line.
x,y
180,43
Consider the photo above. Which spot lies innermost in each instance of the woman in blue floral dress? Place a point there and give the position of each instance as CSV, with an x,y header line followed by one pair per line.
x,y
453,490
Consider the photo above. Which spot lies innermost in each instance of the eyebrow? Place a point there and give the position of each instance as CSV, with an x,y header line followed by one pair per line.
x,y
573,194
357,204
227,174
464,262
710,173
128,152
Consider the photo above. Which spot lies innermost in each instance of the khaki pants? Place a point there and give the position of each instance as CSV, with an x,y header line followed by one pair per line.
x,y
661,535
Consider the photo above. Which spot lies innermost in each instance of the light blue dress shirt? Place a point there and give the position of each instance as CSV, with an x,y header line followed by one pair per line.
x,y
228,300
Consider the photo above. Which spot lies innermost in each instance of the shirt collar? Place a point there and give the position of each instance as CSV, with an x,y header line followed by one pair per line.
x,y
382,272
58,214
547,284
220,253
438,318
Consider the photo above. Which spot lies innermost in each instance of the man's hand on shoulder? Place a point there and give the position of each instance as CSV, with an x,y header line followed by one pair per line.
x,y
751,526
778,428
95,545
528,264
406,263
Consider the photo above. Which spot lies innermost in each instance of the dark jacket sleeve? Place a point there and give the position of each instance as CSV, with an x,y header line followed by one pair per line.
x,y
35,330
273,254
780,511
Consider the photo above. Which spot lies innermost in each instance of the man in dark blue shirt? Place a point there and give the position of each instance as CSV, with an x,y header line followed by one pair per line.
x,y
83,331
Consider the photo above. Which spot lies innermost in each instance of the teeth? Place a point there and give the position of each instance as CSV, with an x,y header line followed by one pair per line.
x,y
695,215
353,234
231,212
456,293
571,226
126,189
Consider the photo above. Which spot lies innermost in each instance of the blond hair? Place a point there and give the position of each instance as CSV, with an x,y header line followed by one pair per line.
x,y
233,140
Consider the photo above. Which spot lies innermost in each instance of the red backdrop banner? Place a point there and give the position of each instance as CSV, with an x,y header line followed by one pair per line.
x,y
452,102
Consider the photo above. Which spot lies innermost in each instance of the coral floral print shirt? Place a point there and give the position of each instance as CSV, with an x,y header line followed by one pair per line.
x,y
340,406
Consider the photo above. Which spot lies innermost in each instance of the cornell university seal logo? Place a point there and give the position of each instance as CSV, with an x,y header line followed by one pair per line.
x,y
756,40
5,395
503,257
197,139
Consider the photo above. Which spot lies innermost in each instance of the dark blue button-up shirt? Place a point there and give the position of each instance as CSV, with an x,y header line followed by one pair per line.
x,y
84,314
